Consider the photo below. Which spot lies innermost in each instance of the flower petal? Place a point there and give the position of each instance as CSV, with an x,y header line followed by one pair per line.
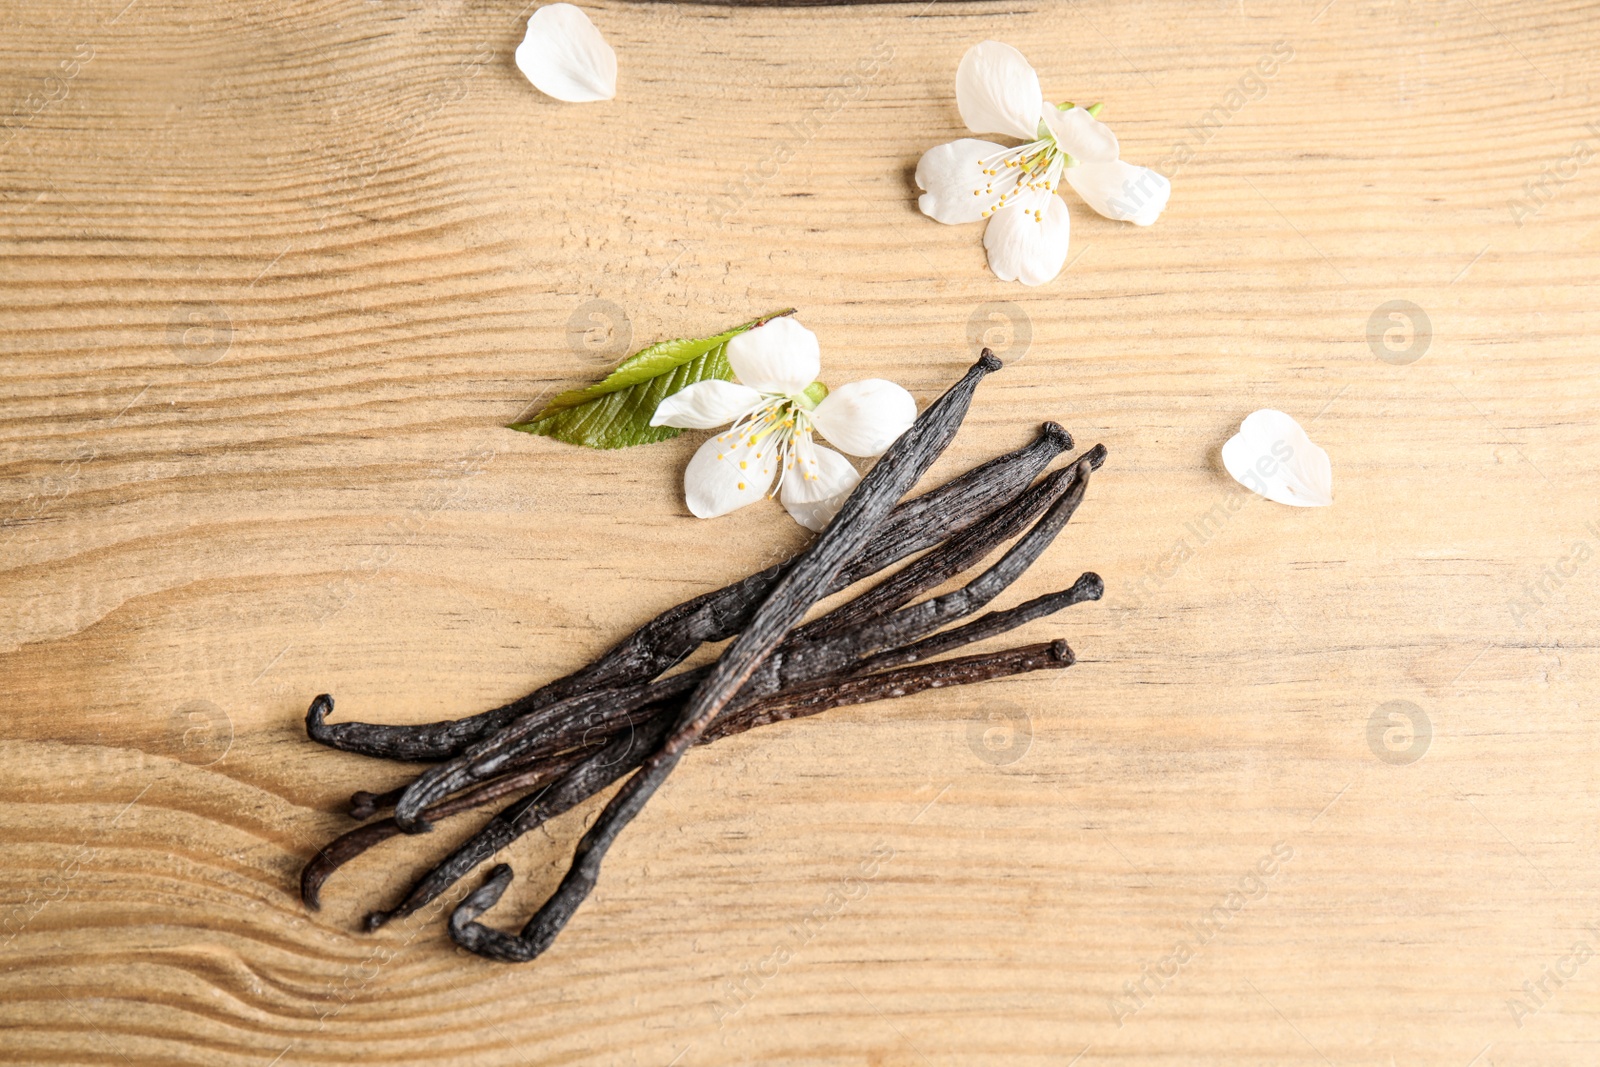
x,y
1079,133
998,92
953,176
705,405
1028,249
816,473
814,501
1121,190
564,56
781,356
727,473
1271,455
864,418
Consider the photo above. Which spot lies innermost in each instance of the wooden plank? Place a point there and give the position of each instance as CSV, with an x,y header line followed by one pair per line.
x,y
275,277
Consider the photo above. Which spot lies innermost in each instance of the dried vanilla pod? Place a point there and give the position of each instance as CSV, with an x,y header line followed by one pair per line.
x,y
624,717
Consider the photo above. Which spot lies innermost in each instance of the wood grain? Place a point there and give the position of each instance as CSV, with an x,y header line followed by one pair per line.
x,y
275,277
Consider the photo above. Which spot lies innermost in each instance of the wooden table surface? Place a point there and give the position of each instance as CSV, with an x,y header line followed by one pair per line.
x,y
277,275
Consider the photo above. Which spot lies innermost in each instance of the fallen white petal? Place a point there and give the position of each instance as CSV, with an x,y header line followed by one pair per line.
x,y
705,405
953,176
864,418
1121,190
1082,135
564,56
1022,248
814,501
998,92
779,357
727,473
1271,455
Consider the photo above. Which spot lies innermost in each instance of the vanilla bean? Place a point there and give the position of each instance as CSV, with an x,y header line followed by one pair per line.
x,y
573,787
352,843
807,700
529,737
364,804
817,566
563,791
835,653
580,782
813,694
954,555
510,752
337,852
570,724
667,639
532,737
793,662
621,718
466,931
801,586
924,521
1089,586
520,741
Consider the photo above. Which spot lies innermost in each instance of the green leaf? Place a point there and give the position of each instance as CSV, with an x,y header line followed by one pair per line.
x,y
615,412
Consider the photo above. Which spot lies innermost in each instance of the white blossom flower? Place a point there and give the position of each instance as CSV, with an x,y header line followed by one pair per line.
x,y
1271,455
564,56
774,407
1015,188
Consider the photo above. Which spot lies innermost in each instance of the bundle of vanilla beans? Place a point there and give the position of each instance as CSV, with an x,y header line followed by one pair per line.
x,y
623,716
